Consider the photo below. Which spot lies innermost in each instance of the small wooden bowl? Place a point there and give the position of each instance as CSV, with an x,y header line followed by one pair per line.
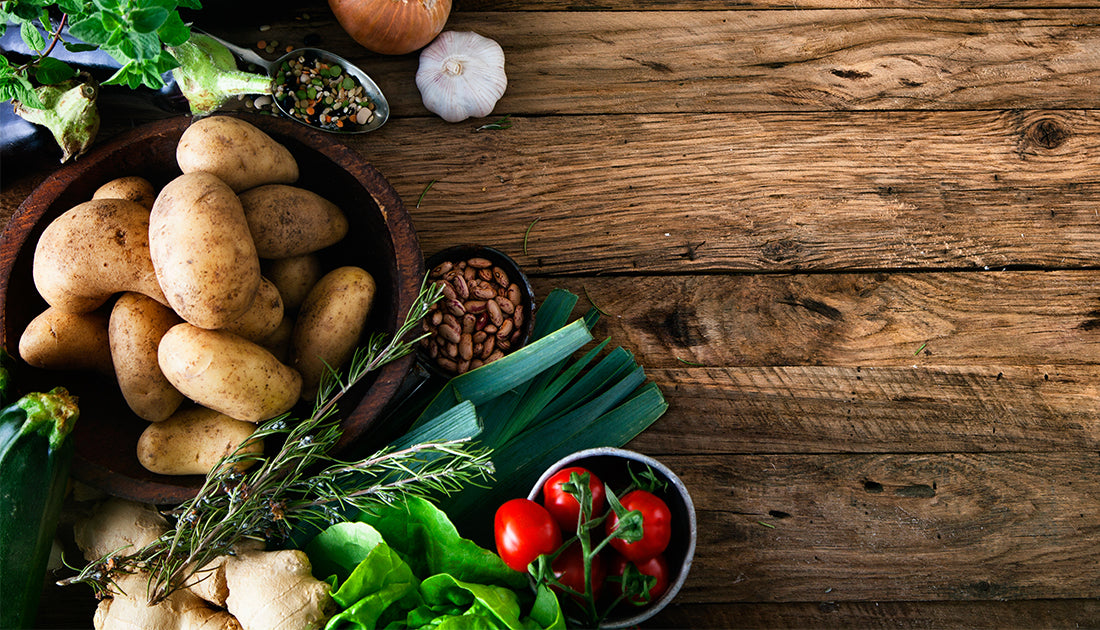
x,y
381,239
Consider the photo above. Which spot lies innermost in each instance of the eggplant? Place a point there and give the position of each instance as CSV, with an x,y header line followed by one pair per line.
x,y
25,145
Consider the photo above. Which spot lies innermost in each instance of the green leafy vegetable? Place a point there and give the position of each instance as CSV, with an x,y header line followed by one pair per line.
x,y
422,573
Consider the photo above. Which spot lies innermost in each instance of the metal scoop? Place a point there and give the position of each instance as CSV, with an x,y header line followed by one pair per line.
x,y
381,111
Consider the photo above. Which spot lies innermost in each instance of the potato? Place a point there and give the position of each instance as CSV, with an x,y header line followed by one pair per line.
x,y
58,340
291,221
193,441
278,342
134,188
227,373
236,152
294,277
92,251
262,317
329,324
136,326
202,251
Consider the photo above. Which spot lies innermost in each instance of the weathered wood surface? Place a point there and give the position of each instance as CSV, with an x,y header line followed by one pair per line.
x,y
623,62
849,527
753,192
856,243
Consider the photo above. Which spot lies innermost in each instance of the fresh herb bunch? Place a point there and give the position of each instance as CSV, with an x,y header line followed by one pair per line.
x,y
299,484
136,33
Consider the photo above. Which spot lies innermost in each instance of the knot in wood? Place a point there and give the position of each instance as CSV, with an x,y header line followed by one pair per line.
x,y
1047,133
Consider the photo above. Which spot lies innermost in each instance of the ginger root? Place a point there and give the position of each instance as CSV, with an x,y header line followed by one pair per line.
x,y
129,609
258,590
118,526
274,590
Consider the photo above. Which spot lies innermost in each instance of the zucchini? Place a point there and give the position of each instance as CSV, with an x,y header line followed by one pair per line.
x,y
35,456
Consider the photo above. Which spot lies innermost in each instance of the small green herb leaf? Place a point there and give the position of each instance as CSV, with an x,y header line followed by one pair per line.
x,y
173,31
15,87
50,71
148,19
528,233
77,47
32,37
503,123
424,192
89,30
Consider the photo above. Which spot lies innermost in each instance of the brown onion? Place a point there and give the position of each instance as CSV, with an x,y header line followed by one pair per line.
x,y
392,27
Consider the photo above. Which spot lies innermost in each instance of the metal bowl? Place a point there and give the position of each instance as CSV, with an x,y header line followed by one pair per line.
x,y
380,239
610,465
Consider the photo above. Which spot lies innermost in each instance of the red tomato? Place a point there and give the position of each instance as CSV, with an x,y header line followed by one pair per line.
x,y
656,566
563,506
524,530
569,569
656,526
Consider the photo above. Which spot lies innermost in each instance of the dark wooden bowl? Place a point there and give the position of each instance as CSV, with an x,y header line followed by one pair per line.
x,y
381,239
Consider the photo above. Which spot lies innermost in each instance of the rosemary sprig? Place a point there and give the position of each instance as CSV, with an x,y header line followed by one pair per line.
x,y
424,192
300,483
528,233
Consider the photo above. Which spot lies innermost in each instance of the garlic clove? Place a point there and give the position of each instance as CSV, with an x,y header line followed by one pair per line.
x,y
461,75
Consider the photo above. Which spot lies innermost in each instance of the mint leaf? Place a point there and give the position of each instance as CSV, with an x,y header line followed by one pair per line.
x,y
146,45
89,30
32,37
174,32
112,22
149,19
49,71
18,88
71,7
78,47
165,62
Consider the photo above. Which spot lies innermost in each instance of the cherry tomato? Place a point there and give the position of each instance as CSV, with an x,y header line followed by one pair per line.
x,y
563,506
524,530
656,526
656,566
569,569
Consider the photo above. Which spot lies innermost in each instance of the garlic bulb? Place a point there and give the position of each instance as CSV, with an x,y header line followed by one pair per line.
x,y
461,74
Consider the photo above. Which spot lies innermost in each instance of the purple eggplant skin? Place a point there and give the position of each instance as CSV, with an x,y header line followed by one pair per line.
x,y
24,146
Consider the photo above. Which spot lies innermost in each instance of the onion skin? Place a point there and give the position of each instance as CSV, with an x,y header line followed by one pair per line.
x,y
392,27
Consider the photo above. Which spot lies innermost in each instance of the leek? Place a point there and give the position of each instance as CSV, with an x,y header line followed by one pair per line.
x,y
543,402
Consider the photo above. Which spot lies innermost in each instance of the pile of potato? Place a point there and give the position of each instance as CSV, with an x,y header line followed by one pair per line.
x,y
206,299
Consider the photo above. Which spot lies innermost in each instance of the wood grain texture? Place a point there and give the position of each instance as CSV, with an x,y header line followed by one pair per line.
x,y
754,192
875,410
825,614
745,5
959,526
674,62
894,320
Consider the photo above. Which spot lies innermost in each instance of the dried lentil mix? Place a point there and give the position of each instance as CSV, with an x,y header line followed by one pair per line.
x,y
322,94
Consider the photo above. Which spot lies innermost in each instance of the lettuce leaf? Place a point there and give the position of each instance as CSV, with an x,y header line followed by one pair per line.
x,y
431,544
375,567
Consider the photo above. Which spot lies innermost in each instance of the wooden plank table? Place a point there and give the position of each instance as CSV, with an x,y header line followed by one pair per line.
x,y
854,242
